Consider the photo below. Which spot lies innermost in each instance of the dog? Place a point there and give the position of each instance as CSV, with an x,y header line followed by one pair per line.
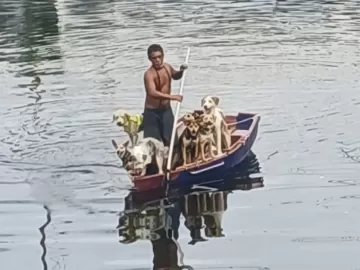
x,y
206,137
132,124
189,139
209,106
124,153
148,150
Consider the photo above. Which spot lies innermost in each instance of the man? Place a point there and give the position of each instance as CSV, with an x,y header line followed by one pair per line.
x,y
158,115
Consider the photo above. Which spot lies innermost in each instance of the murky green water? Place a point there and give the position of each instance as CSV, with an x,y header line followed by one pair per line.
x,y
294,62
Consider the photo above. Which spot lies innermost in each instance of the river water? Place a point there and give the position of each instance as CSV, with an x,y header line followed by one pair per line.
x,y
294,62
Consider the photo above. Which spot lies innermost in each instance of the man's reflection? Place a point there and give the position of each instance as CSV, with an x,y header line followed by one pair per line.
x,y
159,223
165,249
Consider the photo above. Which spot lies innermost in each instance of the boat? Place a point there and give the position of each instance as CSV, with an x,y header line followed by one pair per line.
x,y
242,140
244,176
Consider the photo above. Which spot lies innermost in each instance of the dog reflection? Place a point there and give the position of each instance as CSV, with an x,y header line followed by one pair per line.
x,y
142,225
208,207
216,206
192,207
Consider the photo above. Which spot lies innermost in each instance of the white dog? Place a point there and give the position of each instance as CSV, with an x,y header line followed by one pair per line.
x,y
148,150
132,124
209,105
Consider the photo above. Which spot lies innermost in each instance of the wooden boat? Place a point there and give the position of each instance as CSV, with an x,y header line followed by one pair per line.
x,y
244,176
242,139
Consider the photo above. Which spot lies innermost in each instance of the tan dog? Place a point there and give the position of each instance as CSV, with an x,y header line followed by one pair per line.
x,y
132,124
206,136
190,139
198,115
209,105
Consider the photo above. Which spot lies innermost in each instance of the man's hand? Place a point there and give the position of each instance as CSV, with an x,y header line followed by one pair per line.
x,y
178,98
183,67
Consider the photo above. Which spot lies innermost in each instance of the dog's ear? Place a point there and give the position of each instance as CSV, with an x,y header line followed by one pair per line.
x,y
202,101
114,144
151,144
216,100
114,118
126,144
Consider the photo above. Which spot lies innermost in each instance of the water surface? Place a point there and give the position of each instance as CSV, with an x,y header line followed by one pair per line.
x,y
294,62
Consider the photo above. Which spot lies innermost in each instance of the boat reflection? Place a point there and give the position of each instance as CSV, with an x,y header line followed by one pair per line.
x,y
155,215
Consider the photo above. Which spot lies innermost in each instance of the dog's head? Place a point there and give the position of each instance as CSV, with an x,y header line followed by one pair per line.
x,y
209,103
193,128
188,118
208,121
120,117
121,149
142,158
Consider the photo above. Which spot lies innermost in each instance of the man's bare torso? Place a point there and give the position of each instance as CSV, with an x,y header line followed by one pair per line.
x,y
162,80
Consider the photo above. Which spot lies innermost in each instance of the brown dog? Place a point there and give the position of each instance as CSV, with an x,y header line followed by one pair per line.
x,y
190,139
206,136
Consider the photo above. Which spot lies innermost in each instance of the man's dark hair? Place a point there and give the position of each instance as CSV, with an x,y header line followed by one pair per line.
x,y
154,48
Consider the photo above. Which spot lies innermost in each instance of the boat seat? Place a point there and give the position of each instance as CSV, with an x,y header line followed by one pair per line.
x,y
241,132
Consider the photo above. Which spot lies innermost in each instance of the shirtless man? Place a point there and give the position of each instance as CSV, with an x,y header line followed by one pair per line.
x,y
158,115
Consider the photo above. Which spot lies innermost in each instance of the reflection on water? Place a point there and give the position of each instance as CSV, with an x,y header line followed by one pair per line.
x,y
32,29
43,237
155,215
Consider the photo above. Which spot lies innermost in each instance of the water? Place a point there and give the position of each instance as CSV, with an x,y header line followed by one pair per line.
x,y
294,62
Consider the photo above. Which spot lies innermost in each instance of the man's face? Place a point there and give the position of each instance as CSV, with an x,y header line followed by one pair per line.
x,y
157,59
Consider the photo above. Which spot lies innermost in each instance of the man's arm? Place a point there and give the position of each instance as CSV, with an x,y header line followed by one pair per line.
x,y
151,89
176,75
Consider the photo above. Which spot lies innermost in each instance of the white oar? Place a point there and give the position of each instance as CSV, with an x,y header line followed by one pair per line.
x,y
174,130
